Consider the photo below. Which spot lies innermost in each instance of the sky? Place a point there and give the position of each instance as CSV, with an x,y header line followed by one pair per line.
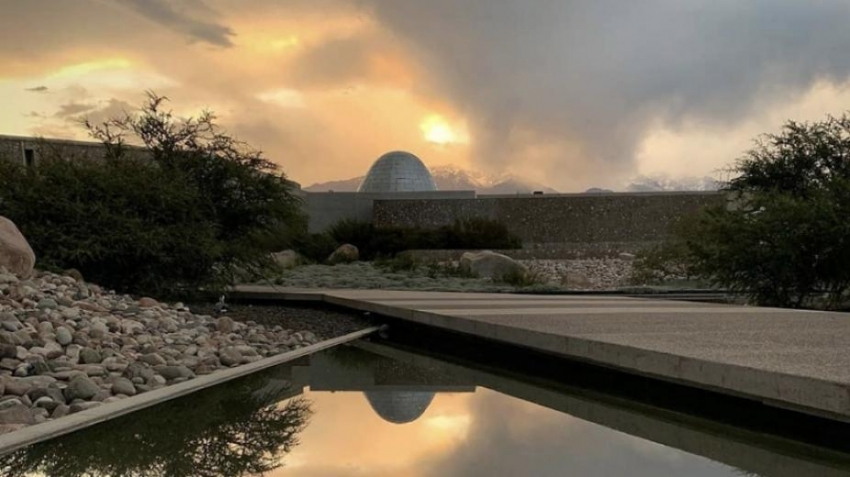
x,y
570,93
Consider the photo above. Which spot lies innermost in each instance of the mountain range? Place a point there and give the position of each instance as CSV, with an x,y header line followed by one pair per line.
x,y
455,178
452,178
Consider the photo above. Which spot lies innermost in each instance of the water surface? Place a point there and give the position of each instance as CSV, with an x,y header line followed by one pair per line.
x,y
386,412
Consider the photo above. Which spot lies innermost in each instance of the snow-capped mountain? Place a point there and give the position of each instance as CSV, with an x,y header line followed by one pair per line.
x,y
663,182
452,178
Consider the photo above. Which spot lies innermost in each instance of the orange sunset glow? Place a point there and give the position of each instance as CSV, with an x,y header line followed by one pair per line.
x,y
557,93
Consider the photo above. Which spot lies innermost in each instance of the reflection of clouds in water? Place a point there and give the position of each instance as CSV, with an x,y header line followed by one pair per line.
x,y
484,434
508,437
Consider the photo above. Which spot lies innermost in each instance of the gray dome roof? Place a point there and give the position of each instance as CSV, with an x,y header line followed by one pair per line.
x,y
398,171
399,407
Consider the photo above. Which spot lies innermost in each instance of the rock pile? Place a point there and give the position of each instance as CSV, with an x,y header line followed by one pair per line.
x,y
67,346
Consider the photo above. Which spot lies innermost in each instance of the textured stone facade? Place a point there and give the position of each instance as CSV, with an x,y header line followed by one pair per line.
x,y
551,221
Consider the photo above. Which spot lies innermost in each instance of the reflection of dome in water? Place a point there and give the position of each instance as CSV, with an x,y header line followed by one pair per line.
x,y
398,171
399,407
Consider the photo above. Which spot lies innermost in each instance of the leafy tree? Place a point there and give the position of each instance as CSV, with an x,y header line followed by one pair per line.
x,y
784,238
245,195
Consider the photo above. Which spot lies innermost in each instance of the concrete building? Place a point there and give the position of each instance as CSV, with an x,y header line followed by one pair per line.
x,y
29,151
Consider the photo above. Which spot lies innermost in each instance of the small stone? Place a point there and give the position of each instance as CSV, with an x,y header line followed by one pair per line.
x,y
46,402
19,414
225,325
90,356
8,351
123,386
230,357
64,336
10,402
9,363
174,372
16,387
81,387
153,359
83,406
147,302
61,410
48,304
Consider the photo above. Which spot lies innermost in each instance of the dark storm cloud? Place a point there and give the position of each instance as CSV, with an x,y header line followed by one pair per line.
x,y
595,74
183,17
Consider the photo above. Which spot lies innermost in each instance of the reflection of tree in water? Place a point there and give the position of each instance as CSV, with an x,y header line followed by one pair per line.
x,y
224,431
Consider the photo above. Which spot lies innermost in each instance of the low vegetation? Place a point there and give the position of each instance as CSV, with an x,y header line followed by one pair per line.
x,y
387,242
389,276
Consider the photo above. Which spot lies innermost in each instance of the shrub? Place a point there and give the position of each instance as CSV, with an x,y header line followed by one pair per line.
x,y
126,224
374,242
785,240
186,210
315,247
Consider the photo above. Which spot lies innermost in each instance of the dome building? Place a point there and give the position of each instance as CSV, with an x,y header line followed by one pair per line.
x,y
398,171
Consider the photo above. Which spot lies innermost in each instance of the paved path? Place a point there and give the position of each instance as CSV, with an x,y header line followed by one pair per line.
x,y
788,358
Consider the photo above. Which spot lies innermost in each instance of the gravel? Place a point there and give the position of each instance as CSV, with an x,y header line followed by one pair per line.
x,y
323,322
67,345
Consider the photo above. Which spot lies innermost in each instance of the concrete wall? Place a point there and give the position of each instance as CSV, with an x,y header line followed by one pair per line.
x,y
554,220
17,148
328,208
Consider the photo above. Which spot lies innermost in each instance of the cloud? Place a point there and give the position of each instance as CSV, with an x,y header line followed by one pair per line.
x,y
38,89
73,109
574,85
182,19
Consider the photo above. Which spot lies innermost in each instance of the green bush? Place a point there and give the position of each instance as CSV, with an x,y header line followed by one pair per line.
x,y
785,239
315,247
127,224
185,210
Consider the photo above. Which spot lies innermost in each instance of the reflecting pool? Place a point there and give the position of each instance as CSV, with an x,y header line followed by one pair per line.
x,y
371,410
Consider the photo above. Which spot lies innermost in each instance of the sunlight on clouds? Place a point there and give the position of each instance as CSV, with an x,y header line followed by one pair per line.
x,y
699,149
287,98
437,130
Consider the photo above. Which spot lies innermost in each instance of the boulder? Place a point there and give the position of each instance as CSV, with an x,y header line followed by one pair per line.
x,y
489,264
287,259
16,255
346,253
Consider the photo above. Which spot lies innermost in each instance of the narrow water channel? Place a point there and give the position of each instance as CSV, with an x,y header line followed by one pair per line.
x,y
371,410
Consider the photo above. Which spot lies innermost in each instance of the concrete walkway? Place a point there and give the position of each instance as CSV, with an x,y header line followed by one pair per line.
x,y
787,358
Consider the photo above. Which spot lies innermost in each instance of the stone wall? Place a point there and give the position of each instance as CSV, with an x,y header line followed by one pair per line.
x,y
551,221
327,208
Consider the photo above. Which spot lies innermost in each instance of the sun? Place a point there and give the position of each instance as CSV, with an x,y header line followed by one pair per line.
x,y
435,129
